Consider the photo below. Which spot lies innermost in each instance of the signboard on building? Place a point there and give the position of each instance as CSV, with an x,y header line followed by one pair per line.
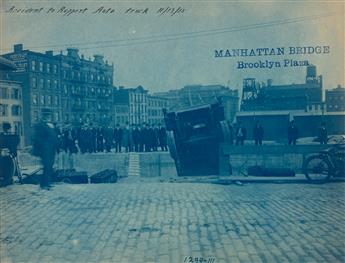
x,y
20,60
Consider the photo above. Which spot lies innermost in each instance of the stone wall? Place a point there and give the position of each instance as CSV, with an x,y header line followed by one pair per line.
x,y
239,158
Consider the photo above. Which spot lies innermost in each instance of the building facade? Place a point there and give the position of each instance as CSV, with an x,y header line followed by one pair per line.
x,y
11,104
72,89
86,89
335,99
155,106
260,97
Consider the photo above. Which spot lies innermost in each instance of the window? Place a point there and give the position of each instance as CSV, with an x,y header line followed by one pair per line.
x,y
41,85
34,82
4,93
34,99
55,84
72,74
64,74
49,100
48,68
16,111
15,94
41,66
56,100
55,69
65,89
3,110
42,100
33,65
48,84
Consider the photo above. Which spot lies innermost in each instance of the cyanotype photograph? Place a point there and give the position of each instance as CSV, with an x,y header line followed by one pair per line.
x,y
172,131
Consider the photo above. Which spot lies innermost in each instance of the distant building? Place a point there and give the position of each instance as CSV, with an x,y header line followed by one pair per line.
x,y
73,89
11,105
260,97
335,99
155,106
193,95
136,100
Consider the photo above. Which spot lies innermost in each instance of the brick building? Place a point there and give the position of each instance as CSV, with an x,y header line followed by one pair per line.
x,y
11,105
74,89
335,99
155,106
261,97
86,89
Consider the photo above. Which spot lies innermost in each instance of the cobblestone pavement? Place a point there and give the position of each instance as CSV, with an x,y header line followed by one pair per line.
x,y
167,222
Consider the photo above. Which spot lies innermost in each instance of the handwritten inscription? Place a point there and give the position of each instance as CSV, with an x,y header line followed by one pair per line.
x,y
101,10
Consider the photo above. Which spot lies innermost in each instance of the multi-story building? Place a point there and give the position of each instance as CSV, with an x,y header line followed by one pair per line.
x,y
136,99
335,99
73,89
260,97
39,75
11,105
155,106
121,114
193,95
86,89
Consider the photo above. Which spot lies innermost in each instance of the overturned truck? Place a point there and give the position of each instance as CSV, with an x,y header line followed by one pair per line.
x,y
194,135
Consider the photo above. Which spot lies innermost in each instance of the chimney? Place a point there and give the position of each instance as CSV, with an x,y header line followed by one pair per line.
x,y
18,48
49,52
73,52
98,59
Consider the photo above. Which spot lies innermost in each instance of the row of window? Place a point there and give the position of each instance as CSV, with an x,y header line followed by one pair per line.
x,y
12,93
42,83
45,100
16,110
81,90
85,76
44,67
157,103
155,112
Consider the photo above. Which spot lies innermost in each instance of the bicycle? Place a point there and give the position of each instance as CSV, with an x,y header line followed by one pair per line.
x,y
326,164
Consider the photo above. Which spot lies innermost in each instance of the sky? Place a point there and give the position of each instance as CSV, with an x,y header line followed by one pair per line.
x,y
162,52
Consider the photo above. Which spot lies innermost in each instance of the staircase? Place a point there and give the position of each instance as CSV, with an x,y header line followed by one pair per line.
x,y
134,164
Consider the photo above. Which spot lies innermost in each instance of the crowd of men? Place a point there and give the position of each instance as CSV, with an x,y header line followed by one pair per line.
x,y
130,138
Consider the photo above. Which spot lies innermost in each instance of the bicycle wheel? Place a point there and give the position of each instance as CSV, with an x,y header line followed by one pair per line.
x,y
317,168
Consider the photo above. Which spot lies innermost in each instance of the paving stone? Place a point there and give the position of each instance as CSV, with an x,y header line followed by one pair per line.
x,y
166,222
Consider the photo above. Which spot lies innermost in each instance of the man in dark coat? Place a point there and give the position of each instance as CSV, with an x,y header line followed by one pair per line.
x,y
44,146
118,138
108,138
136,138
162,135
323,136
258,133
292,133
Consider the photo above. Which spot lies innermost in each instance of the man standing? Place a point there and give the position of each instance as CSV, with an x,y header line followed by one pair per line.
x,y
258,133
118,138
44,146
323,136
292,133
241,134
162,138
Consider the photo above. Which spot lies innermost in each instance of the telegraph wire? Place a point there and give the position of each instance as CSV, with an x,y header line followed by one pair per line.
x,y
178,36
